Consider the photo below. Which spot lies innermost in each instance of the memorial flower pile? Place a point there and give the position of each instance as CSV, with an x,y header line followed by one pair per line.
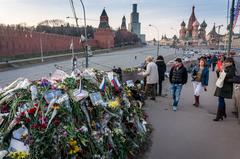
x,y
89,114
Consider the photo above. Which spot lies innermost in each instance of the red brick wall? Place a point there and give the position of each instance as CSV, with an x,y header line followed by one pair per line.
x,y
104,38
16,42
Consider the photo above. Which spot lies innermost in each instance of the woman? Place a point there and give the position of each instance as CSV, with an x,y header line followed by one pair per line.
x,y
200,76
161,72
227,90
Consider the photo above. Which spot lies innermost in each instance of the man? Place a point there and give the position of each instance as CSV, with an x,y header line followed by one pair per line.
x,y
151,75
178,77
214,62
161,72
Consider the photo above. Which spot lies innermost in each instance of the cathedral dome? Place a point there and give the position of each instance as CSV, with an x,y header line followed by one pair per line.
x,y
196,23
204,24
183,24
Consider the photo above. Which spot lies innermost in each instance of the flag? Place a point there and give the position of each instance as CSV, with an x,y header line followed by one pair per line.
x,y
82,39
117,81
103,84
71,45
115,85
236,13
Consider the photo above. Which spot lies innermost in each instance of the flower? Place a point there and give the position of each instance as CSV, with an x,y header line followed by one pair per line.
x,y
22,114
73,147
27,120
113,104
18,155
56,106
43,126
31,111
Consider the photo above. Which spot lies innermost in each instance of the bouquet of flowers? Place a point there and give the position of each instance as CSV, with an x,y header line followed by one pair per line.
x,y
88,115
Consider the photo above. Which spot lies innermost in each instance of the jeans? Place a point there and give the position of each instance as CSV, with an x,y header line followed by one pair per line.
x,y
213,66
221,103
176,92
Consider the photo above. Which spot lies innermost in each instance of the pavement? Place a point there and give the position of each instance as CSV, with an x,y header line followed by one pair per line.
x,y
190,133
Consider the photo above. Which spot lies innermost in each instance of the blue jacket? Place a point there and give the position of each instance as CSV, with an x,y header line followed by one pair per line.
x,y
204,76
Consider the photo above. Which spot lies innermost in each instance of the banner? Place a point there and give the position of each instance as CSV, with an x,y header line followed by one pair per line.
x,y
236,13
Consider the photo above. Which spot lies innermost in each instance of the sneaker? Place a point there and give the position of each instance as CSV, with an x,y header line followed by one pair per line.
x,y
174,108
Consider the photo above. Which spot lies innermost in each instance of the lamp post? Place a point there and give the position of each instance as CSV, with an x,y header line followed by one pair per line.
x,y
231,27
158,37
41,46
85,32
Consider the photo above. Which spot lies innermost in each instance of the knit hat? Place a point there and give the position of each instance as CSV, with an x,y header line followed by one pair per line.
x,y
178,60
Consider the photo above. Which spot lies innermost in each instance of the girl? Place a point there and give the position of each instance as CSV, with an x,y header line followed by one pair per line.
x,y
200,76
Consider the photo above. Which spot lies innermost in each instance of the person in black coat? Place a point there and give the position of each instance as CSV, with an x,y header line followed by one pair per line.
x,y
161,72
227,90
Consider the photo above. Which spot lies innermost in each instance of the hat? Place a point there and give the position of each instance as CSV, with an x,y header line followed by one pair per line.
x,y
179,60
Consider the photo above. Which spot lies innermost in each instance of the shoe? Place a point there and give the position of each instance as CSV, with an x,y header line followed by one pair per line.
x,y
174,108
225,115
163,95
217,119
152,98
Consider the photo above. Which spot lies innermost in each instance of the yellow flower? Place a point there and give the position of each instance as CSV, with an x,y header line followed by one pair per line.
x,y
113,104
73,147
56,106
72,142
18,155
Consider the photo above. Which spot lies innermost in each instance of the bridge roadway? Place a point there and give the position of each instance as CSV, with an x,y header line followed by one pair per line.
x,y
106,61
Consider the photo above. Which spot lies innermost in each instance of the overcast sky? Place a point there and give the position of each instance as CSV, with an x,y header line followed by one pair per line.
x,y
165,14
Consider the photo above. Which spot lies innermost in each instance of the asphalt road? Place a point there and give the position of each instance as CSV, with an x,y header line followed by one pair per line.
x,y
124,58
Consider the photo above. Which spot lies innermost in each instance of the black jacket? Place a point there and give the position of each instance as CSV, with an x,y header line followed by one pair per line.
x,y
227,90
178,76
161,69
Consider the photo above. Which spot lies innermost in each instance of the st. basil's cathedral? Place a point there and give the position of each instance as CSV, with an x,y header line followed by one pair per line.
x,y
194,34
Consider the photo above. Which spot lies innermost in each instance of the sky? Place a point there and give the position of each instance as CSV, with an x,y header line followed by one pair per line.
x,y
166,15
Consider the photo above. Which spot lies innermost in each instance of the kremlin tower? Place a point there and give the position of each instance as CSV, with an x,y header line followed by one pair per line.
x,y
104,35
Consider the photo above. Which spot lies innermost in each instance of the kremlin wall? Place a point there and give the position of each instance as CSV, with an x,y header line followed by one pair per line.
x,y
15,43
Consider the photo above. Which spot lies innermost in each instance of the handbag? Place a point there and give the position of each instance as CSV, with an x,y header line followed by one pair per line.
x,y
220,79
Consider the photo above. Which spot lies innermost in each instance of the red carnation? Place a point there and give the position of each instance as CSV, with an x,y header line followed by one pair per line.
x,y
56,122
43,126
5,109
32,110
35,104
22,114
27,120
35,126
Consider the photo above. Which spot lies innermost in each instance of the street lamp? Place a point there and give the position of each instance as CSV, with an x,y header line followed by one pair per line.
x,y
158,37
85,32
41,45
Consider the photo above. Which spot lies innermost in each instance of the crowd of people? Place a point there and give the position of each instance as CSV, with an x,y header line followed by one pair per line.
x,y
178,76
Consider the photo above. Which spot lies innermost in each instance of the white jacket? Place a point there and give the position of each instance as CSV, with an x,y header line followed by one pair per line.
x,y
151,73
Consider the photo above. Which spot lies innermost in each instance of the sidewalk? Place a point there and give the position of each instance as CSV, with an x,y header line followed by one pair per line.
x,y
190,132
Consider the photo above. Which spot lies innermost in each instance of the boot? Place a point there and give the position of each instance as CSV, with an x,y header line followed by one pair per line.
x,y
219,114
224,111
197,101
